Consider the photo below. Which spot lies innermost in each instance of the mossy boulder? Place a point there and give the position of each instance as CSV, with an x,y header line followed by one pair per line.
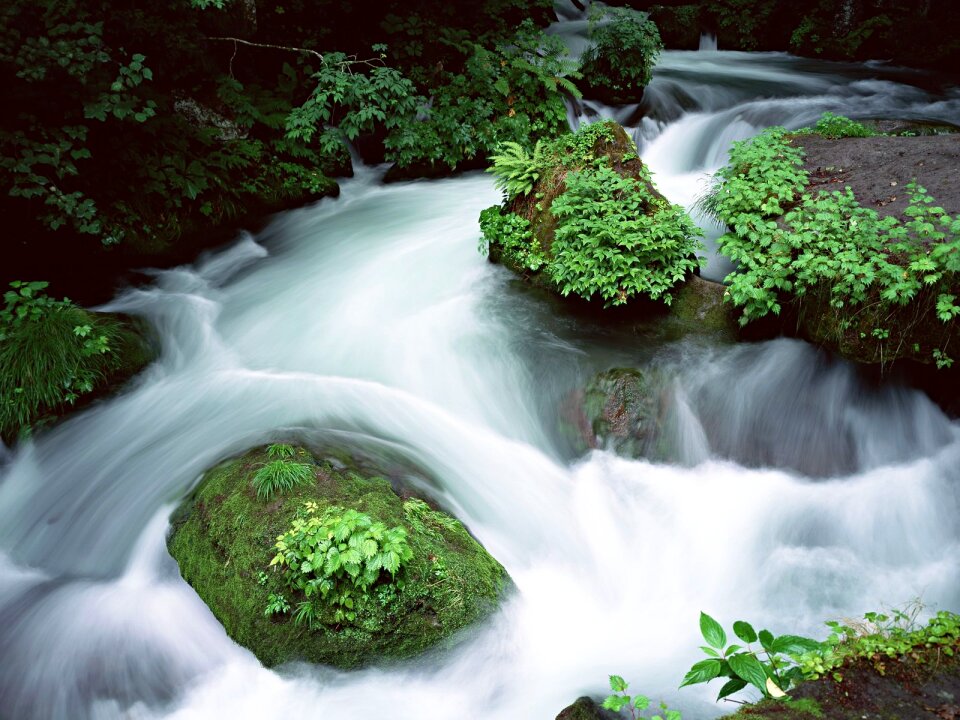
x,y
699,307
223,539
590,223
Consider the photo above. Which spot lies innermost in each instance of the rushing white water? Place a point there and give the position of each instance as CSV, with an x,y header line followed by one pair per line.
x,y
799,492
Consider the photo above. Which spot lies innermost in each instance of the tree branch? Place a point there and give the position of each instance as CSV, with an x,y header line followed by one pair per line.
x,y
344,64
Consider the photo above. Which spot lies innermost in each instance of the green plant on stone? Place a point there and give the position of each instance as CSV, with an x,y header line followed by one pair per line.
x,y
280,451
636,704
279,476
512,233
625,48
515,170
617,241
336,558
772,668
880,638
276,605
837,126
51,353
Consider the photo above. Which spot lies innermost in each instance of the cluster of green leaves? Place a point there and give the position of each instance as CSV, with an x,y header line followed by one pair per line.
x,y
635,705
616,240
838,126
625,46
881,637
505,93
828,241
771,668
514,238
51,353
335,558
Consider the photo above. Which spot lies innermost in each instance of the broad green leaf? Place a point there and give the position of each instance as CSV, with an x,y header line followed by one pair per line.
x,y
745,631
794,644
712,632
750,669
730,687
616,702
703,671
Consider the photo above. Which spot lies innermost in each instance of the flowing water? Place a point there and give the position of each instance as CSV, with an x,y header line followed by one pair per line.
x,y
797,492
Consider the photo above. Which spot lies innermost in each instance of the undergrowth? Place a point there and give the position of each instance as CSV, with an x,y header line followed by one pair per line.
x,y
879,276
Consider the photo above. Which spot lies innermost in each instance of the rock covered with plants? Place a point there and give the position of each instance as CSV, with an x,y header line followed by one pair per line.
x,y
313,560
872,278
55,355
582,216
618,64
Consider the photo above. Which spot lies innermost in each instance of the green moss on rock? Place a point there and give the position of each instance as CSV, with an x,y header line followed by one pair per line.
x,y
223,539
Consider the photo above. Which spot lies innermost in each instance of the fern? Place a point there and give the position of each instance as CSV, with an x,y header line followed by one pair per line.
x,y
515,170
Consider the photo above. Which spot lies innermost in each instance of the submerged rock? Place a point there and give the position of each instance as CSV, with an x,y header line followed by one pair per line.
x,y
223,539
618,409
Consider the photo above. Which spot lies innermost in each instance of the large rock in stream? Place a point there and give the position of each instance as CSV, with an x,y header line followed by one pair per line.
x,y
224,537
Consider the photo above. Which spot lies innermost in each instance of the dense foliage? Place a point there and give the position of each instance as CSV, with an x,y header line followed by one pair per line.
x,y
119,137
792,244
613,237
625,46
51,354
614,240
334,558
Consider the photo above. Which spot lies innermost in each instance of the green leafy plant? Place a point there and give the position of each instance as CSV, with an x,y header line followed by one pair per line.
x,y
515,170
276,605
636,704
51,353
829,248
771,668
514,238
335,558
279,476
881,637
617,241
625,48
837,126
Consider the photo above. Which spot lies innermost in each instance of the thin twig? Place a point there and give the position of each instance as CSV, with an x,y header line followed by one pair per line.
x,y
345,64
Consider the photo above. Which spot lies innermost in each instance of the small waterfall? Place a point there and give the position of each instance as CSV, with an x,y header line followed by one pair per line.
x,y
708,42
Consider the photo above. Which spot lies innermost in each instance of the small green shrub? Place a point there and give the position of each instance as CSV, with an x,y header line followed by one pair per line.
x,y
518,247
635,704
335,559
837,126
771,668
625,48
617,241
279,476
51,353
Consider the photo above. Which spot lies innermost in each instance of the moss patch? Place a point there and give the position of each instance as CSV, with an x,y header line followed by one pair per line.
x,y
223,538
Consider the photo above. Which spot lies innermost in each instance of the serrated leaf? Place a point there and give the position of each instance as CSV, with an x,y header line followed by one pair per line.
x,y
712,632
617,683
794,644
703,671
747,667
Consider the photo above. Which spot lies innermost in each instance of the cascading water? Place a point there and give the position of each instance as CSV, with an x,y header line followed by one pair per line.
x,y
798,494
